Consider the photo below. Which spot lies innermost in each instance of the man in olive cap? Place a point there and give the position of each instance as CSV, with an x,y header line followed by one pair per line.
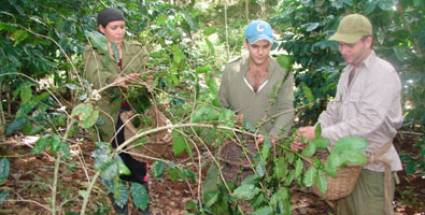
x,y
367,104
249,81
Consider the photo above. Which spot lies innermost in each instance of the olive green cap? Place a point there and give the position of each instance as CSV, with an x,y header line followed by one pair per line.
x,y
352,28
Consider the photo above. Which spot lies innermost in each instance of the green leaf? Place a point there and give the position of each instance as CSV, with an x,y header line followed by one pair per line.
x,y
290,158
246,191
263,211
140,196
203,69
307,93
281,195
370,7
19,36
85,114
322,182
311,26
4,170
175,174
25,93
3,196
16,125
251,179
122,168
205,113
349,143
279,198
260,169
49,141
299,165
158,169
211,198
332,163
265,149
285,61
309,176
354,157
320,142
290,178
386,5
318,130
97,40
309,150
280,168
178,55
120,192
104,162
179,143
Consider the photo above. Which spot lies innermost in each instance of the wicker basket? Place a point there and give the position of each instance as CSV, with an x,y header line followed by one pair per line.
x,y
341,185
235,165
157,144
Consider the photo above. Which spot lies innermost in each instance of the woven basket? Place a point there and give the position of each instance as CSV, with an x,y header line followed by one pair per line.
x,y
235,165
341,185
158,144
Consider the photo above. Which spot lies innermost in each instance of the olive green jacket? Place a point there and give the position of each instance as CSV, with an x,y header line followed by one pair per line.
x,y
271,107
101,70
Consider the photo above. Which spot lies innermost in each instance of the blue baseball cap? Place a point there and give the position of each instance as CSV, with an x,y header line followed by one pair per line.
x,y
258,30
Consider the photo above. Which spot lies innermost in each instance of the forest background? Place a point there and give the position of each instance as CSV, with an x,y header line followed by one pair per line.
x,y
189,41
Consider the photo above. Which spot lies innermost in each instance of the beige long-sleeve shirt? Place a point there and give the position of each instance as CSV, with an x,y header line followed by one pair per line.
x,y
238,95
370,107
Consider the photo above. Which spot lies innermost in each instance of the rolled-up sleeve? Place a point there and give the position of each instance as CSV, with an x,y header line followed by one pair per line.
x,y
223,92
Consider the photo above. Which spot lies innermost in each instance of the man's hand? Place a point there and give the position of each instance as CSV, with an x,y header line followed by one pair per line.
x,y
303,132
259,139
307,132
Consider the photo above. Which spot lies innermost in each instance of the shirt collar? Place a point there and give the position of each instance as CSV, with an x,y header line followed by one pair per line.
x,y
245,66
366,62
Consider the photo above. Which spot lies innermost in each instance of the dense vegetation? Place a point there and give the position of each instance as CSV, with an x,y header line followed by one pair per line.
x,y
43,94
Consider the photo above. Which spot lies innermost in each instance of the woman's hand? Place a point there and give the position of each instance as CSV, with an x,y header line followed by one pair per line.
x,y
124,81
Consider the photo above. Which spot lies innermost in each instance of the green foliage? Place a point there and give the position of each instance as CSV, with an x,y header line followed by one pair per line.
x,y
110,165
4,170
140,196
85,114
97,40
246,191
4,174
52,143
44,40
415,164
180,144
158,169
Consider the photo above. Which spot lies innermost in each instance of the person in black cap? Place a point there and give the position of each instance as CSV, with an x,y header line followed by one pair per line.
x,y
121,65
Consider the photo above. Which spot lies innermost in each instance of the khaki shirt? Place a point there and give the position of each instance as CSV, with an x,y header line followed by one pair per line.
x,y
370,107
237,94
100,70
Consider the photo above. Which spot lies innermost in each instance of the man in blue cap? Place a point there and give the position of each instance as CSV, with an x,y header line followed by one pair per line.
x,y
257,88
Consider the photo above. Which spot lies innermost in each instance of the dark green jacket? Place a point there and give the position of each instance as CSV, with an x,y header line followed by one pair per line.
x,y
101,70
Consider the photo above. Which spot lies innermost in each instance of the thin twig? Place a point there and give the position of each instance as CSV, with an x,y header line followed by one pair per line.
x,y
29,201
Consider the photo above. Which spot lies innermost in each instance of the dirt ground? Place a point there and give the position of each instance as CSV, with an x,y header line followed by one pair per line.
x,y
30,181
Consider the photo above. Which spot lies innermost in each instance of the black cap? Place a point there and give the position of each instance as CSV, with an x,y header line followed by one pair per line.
x,y
108,15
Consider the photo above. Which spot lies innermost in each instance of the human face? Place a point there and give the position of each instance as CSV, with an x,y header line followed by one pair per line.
x,y
114,31
259,51
355,53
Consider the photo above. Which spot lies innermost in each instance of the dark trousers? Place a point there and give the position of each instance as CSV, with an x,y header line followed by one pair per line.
x,y
137,168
